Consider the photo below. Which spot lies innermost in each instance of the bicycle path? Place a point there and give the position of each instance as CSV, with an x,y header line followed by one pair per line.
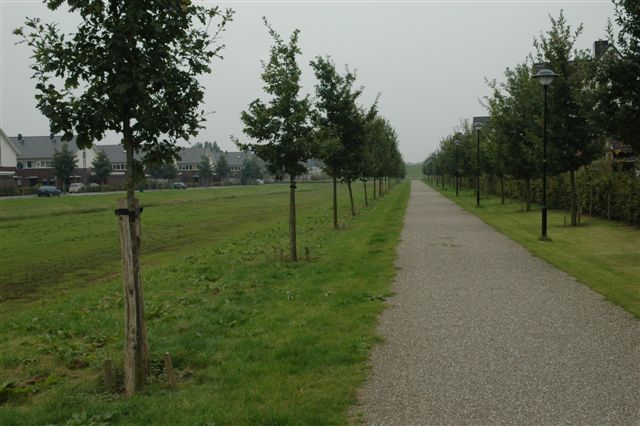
x,y
482,332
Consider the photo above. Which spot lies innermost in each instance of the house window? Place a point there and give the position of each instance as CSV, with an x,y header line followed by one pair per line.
x,y
28,164
235,168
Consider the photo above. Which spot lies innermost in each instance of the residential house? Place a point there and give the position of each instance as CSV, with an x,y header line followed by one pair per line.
x,y
35,161
188,164
236,160
9,153
621,155
118,158
482,120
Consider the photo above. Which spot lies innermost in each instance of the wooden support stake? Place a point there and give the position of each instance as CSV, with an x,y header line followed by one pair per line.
x,y
132,371
140,295
107,367
306,253
171,375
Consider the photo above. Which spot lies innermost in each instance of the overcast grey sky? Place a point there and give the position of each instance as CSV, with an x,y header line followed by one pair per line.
x,y
428,59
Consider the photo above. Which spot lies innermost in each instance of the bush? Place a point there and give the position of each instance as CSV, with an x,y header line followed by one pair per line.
x,y
6,191
601,191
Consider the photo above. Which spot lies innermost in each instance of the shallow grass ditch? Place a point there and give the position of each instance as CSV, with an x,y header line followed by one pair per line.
x,y
254,339
603,255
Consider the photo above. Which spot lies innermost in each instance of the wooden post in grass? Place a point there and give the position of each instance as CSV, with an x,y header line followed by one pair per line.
x,y
140,293
133,365
306,253
168,367
107,367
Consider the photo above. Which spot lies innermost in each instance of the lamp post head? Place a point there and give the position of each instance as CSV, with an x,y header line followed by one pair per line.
x,y
477,126
545,77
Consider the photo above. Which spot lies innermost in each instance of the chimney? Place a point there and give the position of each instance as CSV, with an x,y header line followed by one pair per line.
x,y
599,47
20,138
52,138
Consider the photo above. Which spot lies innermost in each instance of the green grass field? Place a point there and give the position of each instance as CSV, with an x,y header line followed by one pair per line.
x,y
254,340
604,255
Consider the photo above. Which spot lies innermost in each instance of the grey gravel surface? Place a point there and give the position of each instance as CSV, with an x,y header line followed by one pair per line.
x,y
482,332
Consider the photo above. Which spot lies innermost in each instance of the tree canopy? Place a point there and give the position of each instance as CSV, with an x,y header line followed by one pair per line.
x,y
617,92
280,127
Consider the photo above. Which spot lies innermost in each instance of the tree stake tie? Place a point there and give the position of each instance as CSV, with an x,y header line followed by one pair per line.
x,y
131,213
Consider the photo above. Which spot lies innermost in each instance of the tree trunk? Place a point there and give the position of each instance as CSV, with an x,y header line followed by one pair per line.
x,y
366,200
353,210
501,189
380,187
136,347
374,188
574,206
528,193
335,202
292,220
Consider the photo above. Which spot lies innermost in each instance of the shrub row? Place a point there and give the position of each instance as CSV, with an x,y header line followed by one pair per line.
x,y
602,190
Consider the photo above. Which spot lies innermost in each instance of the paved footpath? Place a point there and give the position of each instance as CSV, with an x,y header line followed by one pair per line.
x,y
482,332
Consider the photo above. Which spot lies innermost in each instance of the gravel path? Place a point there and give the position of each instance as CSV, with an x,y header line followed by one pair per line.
x,y
482,332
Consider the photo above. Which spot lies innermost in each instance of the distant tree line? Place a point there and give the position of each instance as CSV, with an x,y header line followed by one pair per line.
x,y
592,105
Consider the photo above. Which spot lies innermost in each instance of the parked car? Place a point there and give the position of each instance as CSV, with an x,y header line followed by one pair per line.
x,y
76,187
48,191
179,185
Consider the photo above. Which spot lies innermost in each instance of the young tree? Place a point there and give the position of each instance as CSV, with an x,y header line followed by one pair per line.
x,y
281,127
617,91
101,166
64,163
573,139
515,108
495,159
222,169
205,171
130,67
342,123
251,171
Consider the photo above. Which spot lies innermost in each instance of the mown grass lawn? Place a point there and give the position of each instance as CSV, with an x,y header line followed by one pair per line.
x,y
255,340
602,254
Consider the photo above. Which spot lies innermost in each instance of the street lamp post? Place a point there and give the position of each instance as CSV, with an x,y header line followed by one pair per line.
x,y
545,77
478,126
456,142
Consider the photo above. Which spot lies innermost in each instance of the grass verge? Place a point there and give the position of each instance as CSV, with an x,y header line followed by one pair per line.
x,y
254,340
604,255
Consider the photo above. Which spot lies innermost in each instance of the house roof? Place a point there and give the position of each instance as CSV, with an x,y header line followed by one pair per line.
x,y
12,145
484,119
237,158
620,147
192,155
40,146
115,153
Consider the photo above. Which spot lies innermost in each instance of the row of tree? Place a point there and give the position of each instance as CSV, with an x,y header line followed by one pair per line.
x,y
353,142
132,67
591,100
